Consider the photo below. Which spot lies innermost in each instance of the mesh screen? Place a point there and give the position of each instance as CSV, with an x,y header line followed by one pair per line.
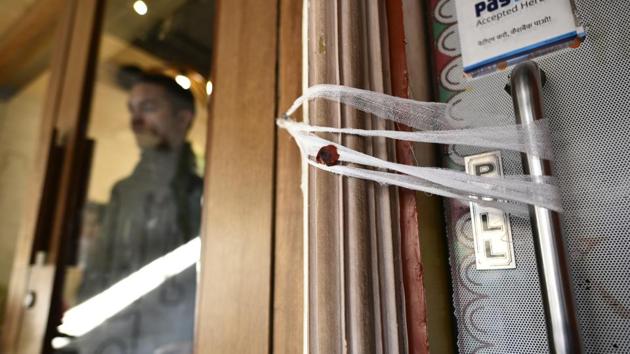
x,y
587,99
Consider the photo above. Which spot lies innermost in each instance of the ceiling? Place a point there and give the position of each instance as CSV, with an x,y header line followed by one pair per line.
x,y
177,33
12,11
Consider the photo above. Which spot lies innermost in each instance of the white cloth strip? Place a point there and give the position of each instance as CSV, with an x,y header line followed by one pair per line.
x,y
418,184
437,125
530,139
415,114
513,188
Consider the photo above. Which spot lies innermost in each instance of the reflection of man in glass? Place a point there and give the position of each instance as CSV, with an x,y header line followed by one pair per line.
x,y
151,213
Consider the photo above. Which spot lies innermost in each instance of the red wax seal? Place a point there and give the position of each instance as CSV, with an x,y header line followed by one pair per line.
x,y
328,155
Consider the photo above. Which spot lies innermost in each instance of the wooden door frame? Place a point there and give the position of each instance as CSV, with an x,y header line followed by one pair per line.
x,y
65,111
251,290
234,293
288,235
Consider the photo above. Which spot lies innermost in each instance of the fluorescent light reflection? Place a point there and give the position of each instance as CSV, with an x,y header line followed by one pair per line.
x,y
60,342
140,7
209,88
183,81
86,316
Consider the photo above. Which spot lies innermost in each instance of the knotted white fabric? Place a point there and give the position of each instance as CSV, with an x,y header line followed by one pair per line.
x,y
438,125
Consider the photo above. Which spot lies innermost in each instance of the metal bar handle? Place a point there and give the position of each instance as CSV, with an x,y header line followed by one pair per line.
x,y
562,326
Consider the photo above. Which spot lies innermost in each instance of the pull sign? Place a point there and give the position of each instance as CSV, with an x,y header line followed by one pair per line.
x,y
496,33
491,227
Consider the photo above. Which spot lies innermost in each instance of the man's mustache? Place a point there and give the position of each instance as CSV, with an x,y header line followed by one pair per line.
x,y
148,135
139,125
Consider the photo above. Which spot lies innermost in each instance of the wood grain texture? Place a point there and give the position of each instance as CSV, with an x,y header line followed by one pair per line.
x,y
413,273
358,195
326,312
431,221
234,290
386,212
355,286
326,306
27,42
288,283
73,117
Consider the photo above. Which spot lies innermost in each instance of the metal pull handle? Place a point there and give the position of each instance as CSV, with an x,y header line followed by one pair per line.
x,y
562,326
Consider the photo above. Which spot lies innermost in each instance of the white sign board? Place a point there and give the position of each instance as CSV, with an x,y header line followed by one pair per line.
x,y
492,32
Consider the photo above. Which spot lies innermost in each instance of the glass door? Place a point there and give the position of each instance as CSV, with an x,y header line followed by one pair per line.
x,y
111,109
129,283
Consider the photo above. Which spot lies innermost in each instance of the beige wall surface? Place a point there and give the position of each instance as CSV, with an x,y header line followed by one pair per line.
x,y
20,119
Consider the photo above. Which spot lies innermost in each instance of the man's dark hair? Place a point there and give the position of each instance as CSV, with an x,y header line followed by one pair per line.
x,y
180,98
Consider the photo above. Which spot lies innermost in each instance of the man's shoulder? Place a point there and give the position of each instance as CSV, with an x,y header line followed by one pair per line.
x,y
196,181
193,183
124,184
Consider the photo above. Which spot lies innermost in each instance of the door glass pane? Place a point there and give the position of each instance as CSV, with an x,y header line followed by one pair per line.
x,y
26,41
130,286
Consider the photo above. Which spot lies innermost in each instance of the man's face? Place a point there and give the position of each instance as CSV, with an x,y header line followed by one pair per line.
x,y
154,121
